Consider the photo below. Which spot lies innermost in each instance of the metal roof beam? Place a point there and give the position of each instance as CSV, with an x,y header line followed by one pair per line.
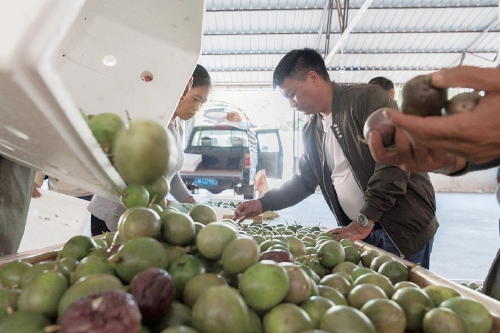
x,y
219,10
347,31
267,33
348,53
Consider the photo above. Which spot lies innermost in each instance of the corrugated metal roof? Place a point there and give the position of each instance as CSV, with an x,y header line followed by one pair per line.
x,y
245,39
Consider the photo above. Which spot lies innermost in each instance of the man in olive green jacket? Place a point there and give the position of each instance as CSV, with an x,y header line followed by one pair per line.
x,y
378,203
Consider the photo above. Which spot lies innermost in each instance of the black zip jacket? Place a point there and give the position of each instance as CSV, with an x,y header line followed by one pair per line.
x,y
403,203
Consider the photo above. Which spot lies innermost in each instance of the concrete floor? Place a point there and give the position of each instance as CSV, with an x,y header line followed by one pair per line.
x,y
464,246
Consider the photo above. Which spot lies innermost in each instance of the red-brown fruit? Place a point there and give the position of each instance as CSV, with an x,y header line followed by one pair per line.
x,y
154,291
109,311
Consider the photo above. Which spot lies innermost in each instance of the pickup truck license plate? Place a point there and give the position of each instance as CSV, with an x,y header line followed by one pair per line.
x,y
206,181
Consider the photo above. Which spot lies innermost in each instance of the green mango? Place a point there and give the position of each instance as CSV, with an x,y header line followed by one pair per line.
x,y
24,322
42,295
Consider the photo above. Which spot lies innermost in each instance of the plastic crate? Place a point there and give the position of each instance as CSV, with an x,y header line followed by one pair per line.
x,y
61,56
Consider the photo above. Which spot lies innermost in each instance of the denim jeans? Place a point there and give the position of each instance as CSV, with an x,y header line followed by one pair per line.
x,y
380,239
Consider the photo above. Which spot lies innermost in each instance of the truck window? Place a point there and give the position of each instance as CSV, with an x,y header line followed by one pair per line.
x,y
220,138
268,142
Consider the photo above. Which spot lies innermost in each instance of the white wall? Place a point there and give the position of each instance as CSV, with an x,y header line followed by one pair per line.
x,y
478,181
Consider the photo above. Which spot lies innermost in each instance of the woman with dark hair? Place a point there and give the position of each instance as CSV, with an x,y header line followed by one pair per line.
x,y
106,213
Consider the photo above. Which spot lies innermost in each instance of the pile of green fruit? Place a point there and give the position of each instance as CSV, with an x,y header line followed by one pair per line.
x,y
224,204
169,273
141,153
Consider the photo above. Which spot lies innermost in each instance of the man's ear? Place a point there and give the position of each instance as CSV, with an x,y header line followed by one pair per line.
x,y
314,77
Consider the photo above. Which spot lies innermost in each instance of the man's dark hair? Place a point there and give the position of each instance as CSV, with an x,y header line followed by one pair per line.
x,y
296,64
201,77
382,82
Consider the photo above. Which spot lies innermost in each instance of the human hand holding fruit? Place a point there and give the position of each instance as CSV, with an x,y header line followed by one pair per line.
x,y
447,141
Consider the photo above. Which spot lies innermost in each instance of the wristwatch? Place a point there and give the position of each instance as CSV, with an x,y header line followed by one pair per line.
x,y
364,222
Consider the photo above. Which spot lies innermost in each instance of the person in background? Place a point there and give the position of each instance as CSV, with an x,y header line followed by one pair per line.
x,y
106,213
385,83
451,145
16,189
59,186
378,203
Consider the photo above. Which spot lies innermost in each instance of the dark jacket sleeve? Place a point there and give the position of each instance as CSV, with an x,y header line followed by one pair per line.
x,y
293,191
384,186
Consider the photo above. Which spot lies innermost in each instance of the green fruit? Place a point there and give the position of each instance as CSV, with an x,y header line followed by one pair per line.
x,y
198,284
346,267
330,253
177,228
68,263
287,318
264,284
203,213
8,299
43,294
297,247
184,269
12,272
177,314
239,254
86,286
105,127
379,260
475,317
24,322
341,318
78,247
363,293
139,222
101,243
332,294
352,254
438,294
255,325
135,195
442,320
394,270
368,256
338,282
316,307
31,273
378,280
179,329
213,238
405,284
158,190
386,315
357,272
92,265
142,153
137,254
211,309
415,304
300,287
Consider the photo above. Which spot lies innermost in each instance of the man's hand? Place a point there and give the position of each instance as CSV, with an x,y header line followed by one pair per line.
x,y
353,231
36,193
247,209
412,158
